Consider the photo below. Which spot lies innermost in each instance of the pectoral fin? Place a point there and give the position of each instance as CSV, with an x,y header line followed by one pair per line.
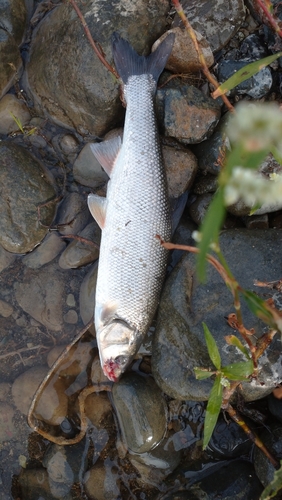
x,y
106,153
97,206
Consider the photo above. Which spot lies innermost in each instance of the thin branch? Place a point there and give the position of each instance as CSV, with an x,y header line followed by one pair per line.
x,y
202,60
97,50
270,17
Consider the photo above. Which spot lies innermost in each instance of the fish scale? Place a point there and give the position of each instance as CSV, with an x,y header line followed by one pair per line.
x,y
132,262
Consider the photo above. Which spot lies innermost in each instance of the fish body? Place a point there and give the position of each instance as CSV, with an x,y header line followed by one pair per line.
x,y
132,262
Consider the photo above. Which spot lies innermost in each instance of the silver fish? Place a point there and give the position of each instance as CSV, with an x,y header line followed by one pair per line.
x,y
132,262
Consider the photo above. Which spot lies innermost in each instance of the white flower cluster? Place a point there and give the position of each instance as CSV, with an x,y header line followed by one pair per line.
x,y
252,188
257,126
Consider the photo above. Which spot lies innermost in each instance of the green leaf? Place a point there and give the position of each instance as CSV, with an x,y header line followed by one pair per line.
x,y
202,373
18,122
258,308
212,347
272,488
244,73
233,340
210,230
213,409
238,371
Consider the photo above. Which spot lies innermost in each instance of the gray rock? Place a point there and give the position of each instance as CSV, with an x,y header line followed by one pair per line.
x,y
87,170
79,253
210,153
272,439
5,309
23,187
179,345
217,21
65,75
6,258
8,430
205,184
48,250
186,113
10,104
199,207
87,294
73,214
181,168
256,87
42,294
158,463
13,21
141,412
26,385
101,482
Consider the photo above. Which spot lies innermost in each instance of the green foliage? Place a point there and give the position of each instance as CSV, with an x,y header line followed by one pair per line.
x,y
244,73
276,484
234,371
213,409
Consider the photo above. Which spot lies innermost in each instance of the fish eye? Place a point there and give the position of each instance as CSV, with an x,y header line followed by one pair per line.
x,y
121,360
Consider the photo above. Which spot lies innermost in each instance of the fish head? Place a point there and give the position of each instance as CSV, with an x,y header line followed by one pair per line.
x,y
118,343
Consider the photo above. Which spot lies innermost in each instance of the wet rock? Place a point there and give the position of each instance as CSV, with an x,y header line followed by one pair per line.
x,y
256,87
5,309
6,258
179,345
210,153
13,21
275,407
205,184
184,57
87,294
25,386
8,430
155,465
34,484
68,79
236,480
228,441
98,409
141,412
206,16
186,113
198,209
24,187
181,168
100,483
73,214
54,354
256,221
79,253
87,170
42,294
10,104
52,405
272,439
4,390
64,466
51,246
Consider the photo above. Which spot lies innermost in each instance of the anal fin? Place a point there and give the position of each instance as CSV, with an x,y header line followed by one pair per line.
x,y
106,153
97,206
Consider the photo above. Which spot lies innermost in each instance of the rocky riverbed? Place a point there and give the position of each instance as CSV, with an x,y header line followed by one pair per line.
x,y
144,438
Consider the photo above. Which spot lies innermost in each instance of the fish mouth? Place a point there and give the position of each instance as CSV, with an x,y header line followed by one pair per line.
x,y
112,370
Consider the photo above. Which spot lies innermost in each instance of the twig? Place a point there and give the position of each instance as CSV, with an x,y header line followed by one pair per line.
x,y
270,17
202,60
97,51
81,239
23,349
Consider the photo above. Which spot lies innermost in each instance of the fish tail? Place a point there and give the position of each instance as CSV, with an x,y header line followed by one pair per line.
x,y
129,63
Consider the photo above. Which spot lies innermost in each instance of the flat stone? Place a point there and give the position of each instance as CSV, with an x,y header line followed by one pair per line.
x,y
23,187
9,104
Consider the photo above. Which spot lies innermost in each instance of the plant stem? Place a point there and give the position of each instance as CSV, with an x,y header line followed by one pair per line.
x,y
202,60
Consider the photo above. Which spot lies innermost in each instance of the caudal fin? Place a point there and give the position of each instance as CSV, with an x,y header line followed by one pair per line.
x,y
129,63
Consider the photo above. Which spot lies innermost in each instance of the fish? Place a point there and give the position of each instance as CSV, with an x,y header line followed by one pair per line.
x,y
132,261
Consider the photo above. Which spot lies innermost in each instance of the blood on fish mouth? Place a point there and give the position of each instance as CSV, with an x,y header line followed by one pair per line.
x,y
110,368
